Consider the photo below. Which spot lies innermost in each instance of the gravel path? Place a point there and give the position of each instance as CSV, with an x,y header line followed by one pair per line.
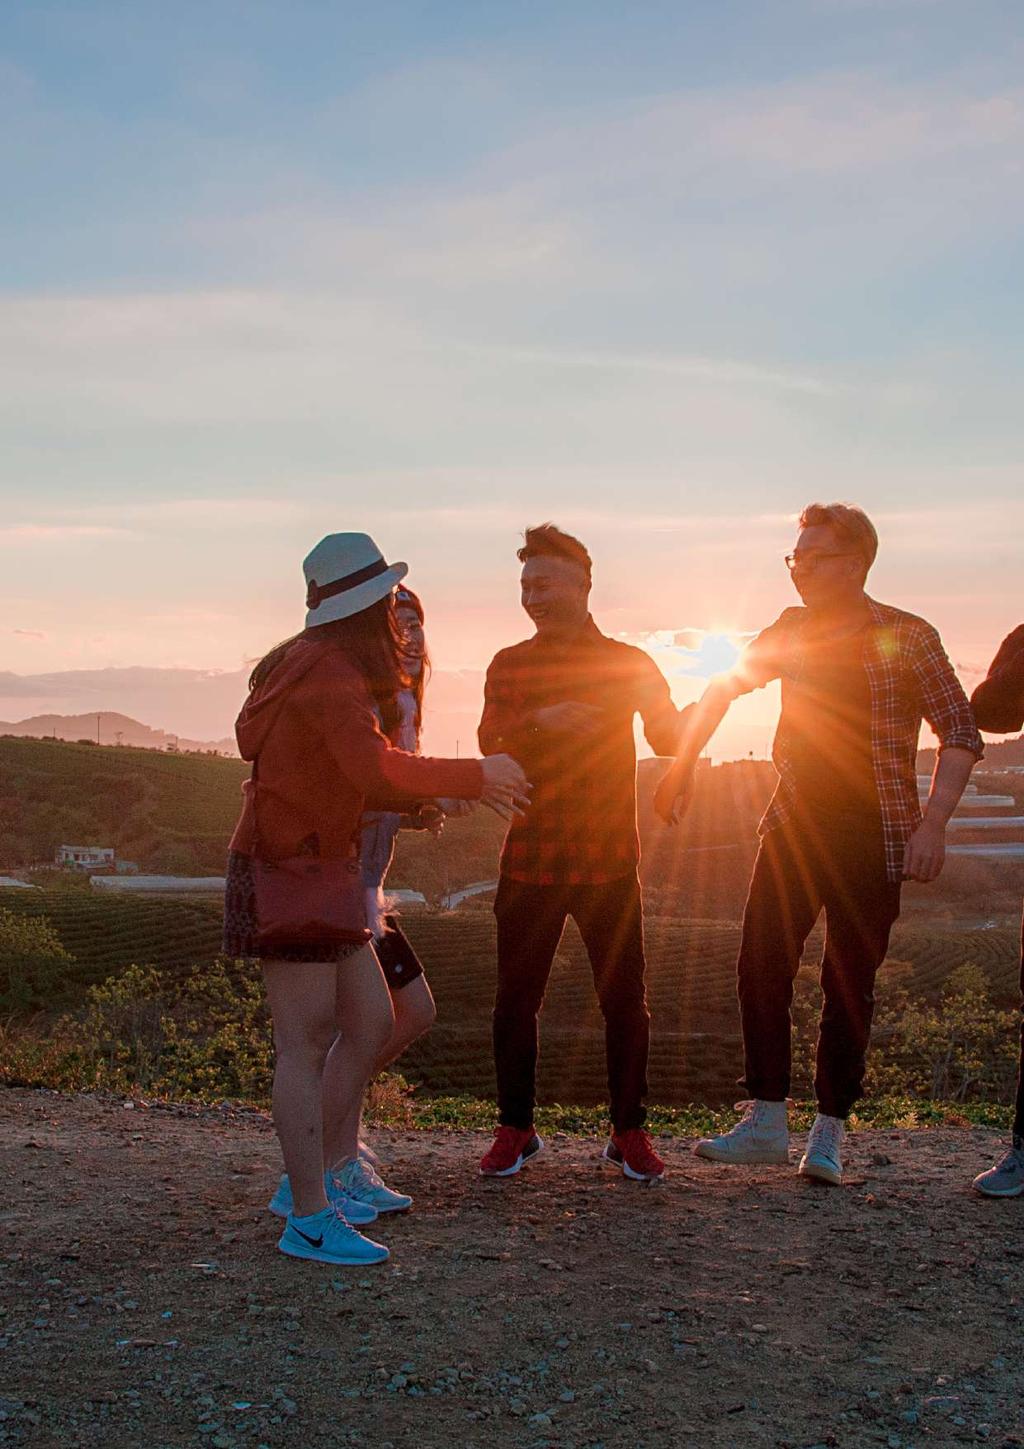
x,y
143,1302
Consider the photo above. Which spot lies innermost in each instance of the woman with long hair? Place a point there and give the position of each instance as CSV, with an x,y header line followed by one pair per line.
x,y
411,997
315,725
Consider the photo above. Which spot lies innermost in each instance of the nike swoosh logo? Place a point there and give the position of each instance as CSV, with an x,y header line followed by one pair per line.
x,y
313,1242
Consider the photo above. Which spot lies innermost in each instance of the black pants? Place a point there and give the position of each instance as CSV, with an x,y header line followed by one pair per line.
x,y
1018,1113
801,867
530,923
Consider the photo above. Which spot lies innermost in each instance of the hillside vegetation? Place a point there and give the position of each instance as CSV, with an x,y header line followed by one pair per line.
x,y
175,813
696,1043
105,933
168,812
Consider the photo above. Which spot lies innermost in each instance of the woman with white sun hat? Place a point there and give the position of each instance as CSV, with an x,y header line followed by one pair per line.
x,y
315,725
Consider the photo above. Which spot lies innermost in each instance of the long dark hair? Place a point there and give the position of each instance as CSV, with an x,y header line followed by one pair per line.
x,y
406,598
371,639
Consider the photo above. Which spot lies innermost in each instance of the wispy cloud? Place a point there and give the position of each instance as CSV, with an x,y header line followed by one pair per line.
x,y
21,533
692,368
241,512
476,517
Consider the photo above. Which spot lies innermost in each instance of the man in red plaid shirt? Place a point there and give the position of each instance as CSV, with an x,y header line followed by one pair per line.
x,y
844,827
563,704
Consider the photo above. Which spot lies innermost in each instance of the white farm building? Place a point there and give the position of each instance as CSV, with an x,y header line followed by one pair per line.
x,y
86,857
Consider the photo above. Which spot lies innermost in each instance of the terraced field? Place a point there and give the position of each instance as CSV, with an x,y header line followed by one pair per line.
x,y
695,1053
105,933
695,1048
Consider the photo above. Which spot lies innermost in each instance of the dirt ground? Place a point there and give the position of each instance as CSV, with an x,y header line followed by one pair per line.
x,y
144,1303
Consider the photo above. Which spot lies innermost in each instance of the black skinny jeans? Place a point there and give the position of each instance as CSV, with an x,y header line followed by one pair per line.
x,y
807,864
530,920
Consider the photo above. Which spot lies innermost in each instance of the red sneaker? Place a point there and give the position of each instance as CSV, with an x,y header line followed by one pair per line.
x,y
633,1152
511,1149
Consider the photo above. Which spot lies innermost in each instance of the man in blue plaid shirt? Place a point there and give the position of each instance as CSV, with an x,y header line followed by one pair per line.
x,y
844,827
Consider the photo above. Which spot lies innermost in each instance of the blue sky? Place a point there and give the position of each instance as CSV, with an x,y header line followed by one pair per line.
x,y
662,272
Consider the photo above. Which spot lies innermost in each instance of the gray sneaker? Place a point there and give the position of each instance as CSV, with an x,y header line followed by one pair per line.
x,y
823,1159
1006,1179
361,1181
761,1135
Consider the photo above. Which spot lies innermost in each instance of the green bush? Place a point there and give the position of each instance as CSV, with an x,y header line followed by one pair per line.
x,y
961,1048
206,1037
32,962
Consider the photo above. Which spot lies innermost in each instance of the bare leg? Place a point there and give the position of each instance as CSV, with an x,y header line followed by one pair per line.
x,y
302,1005
365,1024
415,1013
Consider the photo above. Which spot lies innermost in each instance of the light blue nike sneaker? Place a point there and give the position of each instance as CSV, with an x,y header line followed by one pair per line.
x,y
326,1237
360,1180
354,1211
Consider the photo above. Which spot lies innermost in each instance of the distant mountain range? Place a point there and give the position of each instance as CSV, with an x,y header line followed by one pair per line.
x,y
196,706
106,727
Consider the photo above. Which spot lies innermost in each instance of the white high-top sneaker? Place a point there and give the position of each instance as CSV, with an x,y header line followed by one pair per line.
x,y
823,1159
761,1135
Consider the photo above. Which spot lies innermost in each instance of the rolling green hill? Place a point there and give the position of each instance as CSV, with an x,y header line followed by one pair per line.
x,y
175,813
168,812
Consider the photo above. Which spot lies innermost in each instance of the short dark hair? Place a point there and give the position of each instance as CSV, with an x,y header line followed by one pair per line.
x,y
545,540
849,523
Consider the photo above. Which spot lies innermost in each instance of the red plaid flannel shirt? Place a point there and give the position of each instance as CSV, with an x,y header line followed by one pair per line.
x,y
580,828
911,679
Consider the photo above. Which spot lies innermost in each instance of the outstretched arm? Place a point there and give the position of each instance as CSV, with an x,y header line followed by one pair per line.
x,y
673,795
760,662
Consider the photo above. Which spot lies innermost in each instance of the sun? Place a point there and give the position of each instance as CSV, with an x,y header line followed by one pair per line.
x,y
698,653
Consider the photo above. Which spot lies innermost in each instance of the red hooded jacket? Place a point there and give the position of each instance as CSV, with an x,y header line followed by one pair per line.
x,y
323,759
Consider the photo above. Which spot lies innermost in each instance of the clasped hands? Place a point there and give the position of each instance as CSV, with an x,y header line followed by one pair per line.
x,y
674,794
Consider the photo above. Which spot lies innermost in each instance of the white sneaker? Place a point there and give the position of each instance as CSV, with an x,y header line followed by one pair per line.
x,y
761,1135
823,1158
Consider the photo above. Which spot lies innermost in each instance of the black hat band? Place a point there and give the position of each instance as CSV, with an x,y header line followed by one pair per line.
x,y
317,593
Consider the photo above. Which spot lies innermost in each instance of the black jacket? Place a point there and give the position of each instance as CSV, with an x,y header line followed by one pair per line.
x,y
999,699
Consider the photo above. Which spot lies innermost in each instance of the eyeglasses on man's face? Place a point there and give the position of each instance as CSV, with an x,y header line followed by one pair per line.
x,y
811,558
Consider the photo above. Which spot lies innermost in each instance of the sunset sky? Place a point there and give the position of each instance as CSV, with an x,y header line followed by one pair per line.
x,y
661,272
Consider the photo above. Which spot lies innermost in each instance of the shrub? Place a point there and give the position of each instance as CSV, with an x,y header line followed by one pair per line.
x,y
217,1040
389,1101
961,1048
120,1037
32,962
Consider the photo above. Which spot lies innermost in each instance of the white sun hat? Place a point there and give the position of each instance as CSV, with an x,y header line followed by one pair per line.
x,y
345,574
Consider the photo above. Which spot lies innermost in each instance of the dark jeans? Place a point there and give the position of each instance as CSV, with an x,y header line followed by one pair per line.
x,y
802,866
1018,1113
530,923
